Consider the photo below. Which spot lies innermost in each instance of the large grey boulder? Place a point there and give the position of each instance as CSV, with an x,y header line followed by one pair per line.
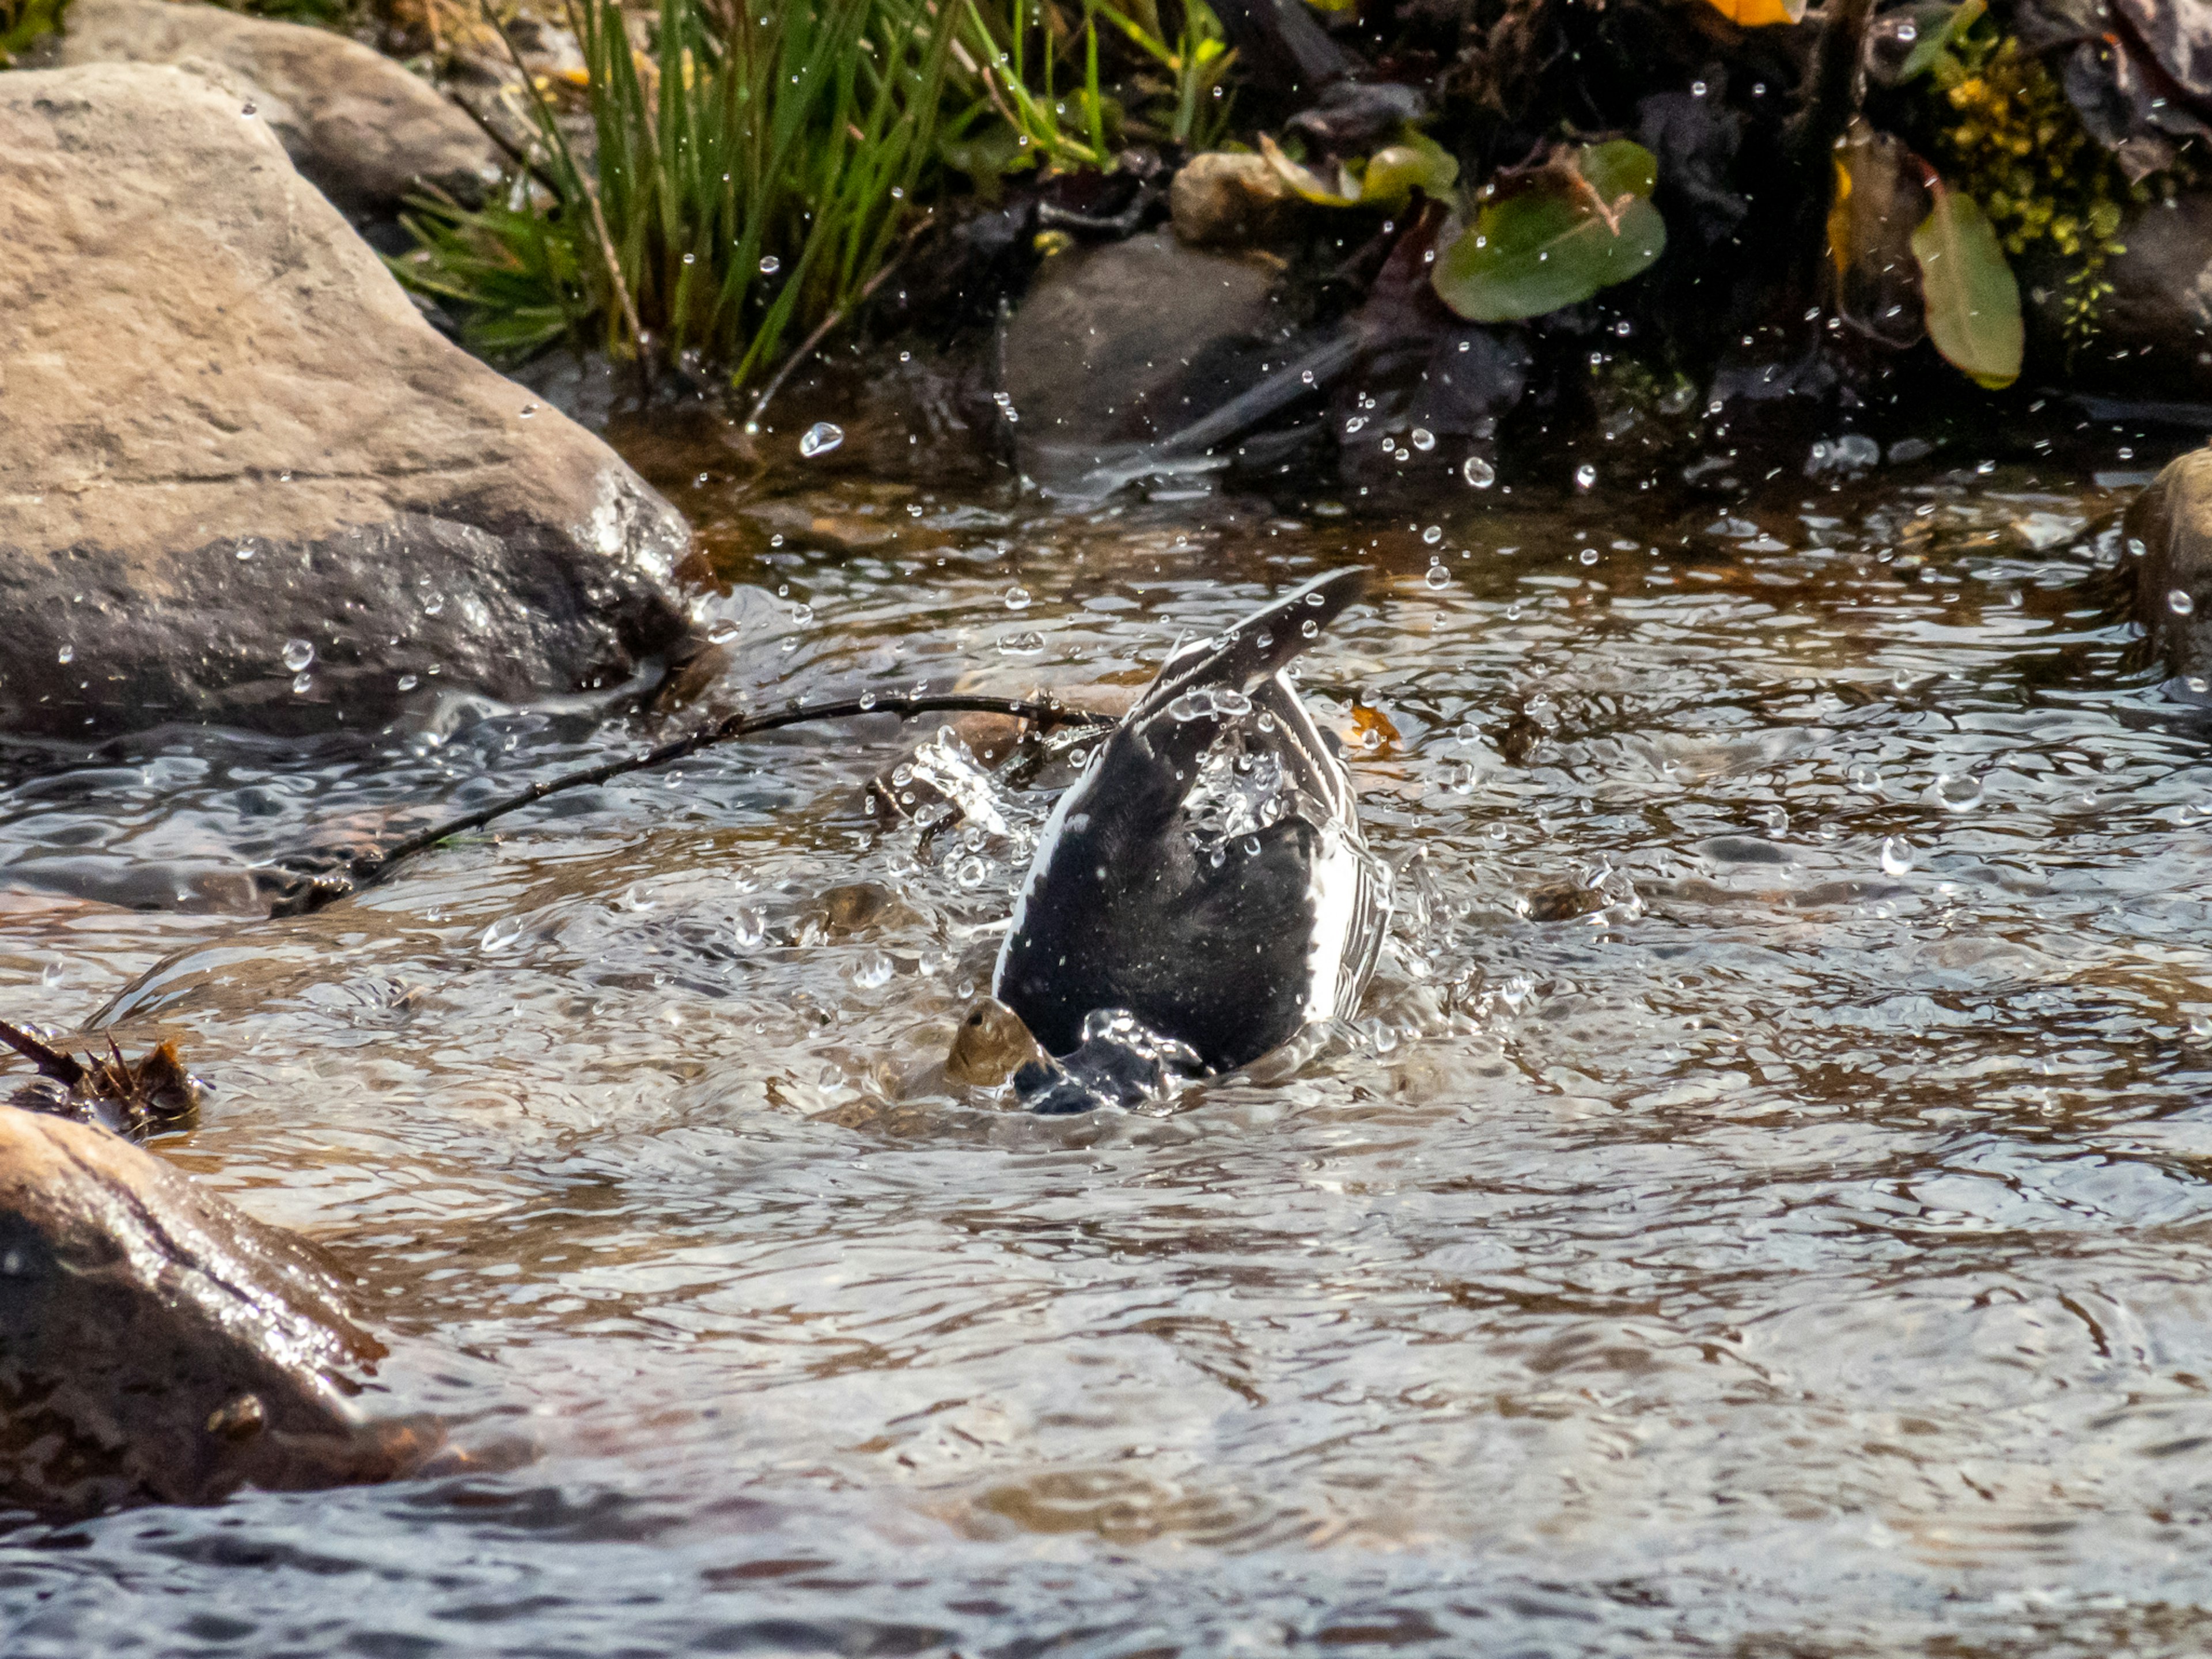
x,y
227,438
356,125
157,1344
1118,347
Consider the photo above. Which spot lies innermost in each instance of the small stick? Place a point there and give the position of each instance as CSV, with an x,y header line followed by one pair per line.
x,y
51,1062
370,867
807,346
591,196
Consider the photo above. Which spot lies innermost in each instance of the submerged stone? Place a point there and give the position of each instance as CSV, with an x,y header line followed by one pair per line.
x,y
2168,534
226,434
156,1344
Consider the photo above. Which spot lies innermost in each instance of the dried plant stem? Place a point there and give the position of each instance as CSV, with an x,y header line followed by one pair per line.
x,y
369,868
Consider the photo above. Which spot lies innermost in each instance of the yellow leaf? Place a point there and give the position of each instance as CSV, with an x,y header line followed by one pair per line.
x,y
1308,184
1757,14
1839,220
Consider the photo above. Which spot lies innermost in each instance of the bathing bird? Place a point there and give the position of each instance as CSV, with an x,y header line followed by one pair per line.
x,y
1202,894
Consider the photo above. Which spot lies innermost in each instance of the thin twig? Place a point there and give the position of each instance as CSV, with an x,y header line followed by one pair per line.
x,y
513,151
823,330
591,196
368,868
51,1062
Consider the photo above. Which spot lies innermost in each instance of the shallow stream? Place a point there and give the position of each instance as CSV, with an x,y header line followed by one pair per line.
x,y
1766,1207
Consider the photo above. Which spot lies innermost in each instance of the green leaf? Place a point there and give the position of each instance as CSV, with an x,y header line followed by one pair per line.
x,y
1937,28
1415,160
1569,230
1972,299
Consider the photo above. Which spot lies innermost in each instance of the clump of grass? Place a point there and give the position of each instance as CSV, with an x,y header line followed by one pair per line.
x,y
1012,59
754,175
751,177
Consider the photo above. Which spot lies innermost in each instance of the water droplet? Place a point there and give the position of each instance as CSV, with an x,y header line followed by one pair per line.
x,y
867,700
747,928
408,682
1433,534
1437,576
1908,32
1354,424
1026,643
1864,779
66,656
872,969
298,654
1585,475
1018,598
691,258
1309,627
502,934
528,409
2178,602
244,554
433,604
1896,856
301,683
972,873
1958,794
1478,472
769,264
1423,440
721,631
821,438
802,614
1588,555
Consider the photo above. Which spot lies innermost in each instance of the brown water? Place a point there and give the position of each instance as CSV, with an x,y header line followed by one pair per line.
x,y
1802,1249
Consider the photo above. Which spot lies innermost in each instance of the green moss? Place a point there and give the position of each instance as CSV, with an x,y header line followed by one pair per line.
x,y
2006,134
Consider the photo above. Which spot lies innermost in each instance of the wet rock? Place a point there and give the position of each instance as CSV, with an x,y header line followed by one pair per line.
x,y
241,480
158,1346
991,1045
1126,344
1220,200
366,132
2155,328
2170,523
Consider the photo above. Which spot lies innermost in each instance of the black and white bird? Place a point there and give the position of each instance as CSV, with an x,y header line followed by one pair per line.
x,y
1202,894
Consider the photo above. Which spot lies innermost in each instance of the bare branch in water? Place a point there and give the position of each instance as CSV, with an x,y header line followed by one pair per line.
x,y
317,890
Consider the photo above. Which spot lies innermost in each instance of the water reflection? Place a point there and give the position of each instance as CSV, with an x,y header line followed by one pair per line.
x,y
1763,1200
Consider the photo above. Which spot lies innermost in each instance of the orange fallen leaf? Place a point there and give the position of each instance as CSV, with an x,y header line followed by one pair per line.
x,y
1758,14
1372,734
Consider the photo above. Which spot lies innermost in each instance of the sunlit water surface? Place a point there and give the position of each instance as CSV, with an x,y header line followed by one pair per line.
x,y
1799,1244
